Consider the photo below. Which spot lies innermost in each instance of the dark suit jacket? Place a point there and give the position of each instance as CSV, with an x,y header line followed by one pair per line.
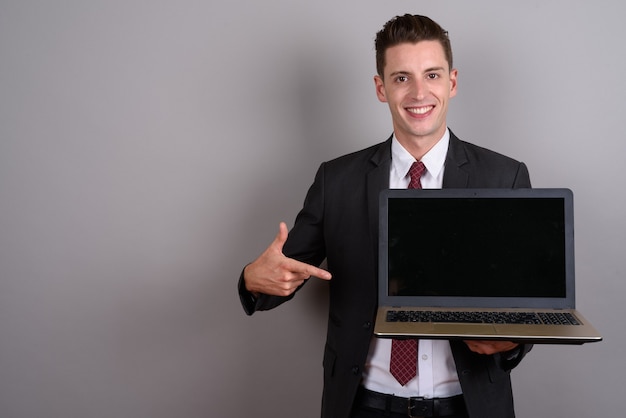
x,y
339,223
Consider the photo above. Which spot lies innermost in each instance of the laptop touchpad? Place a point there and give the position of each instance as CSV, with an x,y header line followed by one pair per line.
x,y
466,330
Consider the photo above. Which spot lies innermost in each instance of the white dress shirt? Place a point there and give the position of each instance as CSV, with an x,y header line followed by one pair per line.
x,y
436,371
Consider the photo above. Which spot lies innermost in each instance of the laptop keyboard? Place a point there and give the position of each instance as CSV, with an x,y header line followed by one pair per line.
x,y
472,317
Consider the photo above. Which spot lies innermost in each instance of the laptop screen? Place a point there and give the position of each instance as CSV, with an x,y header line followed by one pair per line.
x,y
491,244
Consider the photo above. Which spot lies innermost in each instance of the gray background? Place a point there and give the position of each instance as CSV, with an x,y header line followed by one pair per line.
x,y
148,150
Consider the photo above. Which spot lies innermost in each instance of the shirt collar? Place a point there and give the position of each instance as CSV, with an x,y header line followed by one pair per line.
x,y
434,159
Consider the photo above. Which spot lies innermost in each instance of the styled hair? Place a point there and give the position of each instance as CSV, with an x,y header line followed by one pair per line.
x,y
411,29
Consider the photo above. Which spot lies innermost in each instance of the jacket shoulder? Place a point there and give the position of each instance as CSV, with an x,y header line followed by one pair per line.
x,y
470,165
476,152
364,154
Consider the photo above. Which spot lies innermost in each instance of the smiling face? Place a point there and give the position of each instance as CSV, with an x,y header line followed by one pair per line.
x,y
417,84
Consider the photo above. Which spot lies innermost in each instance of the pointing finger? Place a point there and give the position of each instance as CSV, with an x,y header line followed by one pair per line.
x,y
308,270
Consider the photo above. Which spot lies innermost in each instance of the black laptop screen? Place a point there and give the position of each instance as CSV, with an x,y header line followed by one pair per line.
x,y
483,247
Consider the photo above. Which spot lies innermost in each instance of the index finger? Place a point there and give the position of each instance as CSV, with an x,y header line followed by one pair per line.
x,y
308,270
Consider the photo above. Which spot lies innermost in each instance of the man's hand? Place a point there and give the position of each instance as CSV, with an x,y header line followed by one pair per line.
x,y
490,347
274,274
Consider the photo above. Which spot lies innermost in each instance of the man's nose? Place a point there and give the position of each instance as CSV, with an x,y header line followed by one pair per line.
x,y
418,89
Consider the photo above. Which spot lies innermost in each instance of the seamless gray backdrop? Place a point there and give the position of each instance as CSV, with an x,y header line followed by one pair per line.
x,y
149,149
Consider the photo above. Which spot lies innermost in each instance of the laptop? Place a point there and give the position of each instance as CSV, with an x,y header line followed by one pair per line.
x,y
488,264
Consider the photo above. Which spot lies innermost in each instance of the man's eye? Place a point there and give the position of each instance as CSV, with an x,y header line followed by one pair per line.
x,y
402,78
433,76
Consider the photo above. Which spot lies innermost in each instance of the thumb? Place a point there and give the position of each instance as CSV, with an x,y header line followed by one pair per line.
x,y
281,237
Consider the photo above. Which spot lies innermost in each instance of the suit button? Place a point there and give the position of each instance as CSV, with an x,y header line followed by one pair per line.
x,y
355,370
367,325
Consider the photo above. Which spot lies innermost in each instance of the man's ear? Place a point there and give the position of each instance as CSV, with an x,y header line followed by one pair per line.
x,y
380,88
453,80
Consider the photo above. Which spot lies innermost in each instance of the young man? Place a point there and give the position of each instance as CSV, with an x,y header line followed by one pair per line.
x,y
339,223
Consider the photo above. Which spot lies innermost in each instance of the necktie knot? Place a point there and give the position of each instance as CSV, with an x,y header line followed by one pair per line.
x,y
415,172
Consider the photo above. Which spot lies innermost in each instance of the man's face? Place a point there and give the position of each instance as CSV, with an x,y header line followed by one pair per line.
x,y
417,85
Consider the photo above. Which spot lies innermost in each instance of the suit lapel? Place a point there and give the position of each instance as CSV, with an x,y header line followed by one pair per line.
x,y
377,180
456,174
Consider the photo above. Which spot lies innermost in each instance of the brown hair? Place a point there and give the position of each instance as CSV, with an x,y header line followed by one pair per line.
x,y
412,29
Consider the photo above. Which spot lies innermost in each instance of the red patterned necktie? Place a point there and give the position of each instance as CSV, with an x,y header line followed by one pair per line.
x,y
415,172
403,363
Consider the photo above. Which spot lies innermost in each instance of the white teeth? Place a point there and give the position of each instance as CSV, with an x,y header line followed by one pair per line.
x,y
419,110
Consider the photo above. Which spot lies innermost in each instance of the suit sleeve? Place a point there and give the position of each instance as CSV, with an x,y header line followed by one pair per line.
x,y
305,243
522,179
510,360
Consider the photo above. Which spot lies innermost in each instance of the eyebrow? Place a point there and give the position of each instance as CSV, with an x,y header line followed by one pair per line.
x,y
395,73
430,70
